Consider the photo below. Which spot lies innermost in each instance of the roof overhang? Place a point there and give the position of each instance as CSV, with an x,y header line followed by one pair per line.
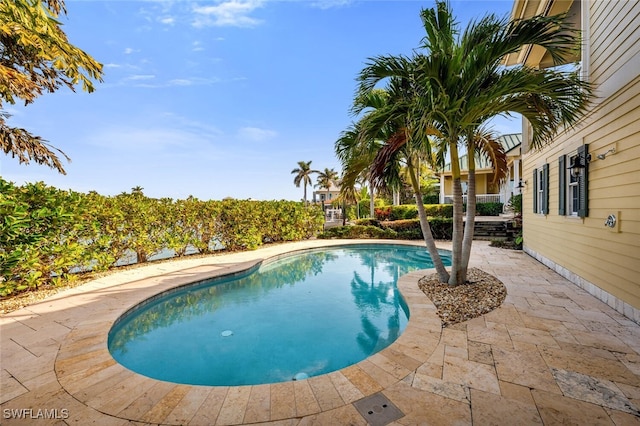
x,y
537,56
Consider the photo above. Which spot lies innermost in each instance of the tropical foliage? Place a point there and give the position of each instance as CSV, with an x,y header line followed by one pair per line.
x,y
48,235
37,57
441,97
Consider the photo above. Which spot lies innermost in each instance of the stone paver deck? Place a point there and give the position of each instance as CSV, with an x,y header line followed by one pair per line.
x,y
551,354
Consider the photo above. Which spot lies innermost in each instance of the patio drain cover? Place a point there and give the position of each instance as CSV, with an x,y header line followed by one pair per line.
x,y
377,410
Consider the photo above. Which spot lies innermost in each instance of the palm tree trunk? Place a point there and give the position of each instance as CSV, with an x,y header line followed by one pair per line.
x,y
344,212
371,203
443,275
470,218
325,203
458,224
305,194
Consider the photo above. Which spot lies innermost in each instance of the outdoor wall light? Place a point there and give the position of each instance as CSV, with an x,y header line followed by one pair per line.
x,y
521,184
578,163
604,154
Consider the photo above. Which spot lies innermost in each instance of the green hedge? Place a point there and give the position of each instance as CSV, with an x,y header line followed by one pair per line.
x,y
367,222
410,211
358,231
408,229
441,228
431,199
489,209
47,235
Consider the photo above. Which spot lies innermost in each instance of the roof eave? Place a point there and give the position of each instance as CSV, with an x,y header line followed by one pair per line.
x,y
524,9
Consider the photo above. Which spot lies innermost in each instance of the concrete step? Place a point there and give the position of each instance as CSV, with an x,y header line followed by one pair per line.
x,y
494,229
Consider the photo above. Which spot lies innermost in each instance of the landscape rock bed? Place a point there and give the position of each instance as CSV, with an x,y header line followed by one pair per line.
x,y
481,293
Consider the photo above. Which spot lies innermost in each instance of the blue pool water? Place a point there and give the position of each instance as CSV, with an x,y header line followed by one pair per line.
x,y
303,315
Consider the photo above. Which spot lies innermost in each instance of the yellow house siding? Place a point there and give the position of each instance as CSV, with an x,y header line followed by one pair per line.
x,y
585,247
483,183
614,41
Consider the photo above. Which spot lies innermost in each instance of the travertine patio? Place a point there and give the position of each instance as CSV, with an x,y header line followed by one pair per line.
x,y
551,354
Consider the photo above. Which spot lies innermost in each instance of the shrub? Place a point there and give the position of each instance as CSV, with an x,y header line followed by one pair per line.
x,y
431,199
405,211
358,231
382,213
489,209
368,222
439,210
516,203
408,229
441,228
410,211
404,224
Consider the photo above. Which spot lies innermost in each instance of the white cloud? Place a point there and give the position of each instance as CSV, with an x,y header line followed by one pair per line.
x,y
255,134
150,138
150,81
328,4
230,13
196,46
192,81
167,20
137,77
129,51
180,82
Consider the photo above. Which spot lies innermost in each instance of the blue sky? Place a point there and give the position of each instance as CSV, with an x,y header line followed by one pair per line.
x,y
216,98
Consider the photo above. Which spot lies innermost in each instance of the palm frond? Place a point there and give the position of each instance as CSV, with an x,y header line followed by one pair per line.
x,y
19,143
486,144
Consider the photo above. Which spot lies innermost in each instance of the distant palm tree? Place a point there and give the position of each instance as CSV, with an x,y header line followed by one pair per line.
x,y
303,176
327,178
137,190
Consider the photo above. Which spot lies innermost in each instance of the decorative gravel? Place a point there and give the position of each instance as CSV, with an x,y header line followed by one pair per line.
x,y
481,293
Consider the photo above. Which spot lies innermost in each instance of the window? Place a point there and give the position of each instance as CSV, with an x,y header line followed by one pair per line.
x,y
540,194
541,190
573,187
572,191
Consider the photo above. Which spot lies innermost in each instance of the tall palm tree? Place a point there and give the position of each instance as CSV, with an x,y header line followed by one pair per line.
x,y
327,178
457,83
382,147
303,176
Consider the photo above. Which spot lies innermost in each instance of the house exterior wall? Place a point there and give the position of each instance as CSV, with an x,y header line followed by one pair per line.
x,y
482,184
605,261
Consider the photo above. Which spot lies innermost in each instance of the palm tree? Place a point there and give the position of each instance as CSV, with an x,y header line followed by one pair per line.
x,y
379,145
356,155
327,178
403,149
137,191
459,83
303,176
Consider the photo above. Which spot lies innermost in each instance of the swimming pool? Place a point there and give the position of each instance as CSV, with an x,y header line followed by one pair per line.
x,y
302,315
